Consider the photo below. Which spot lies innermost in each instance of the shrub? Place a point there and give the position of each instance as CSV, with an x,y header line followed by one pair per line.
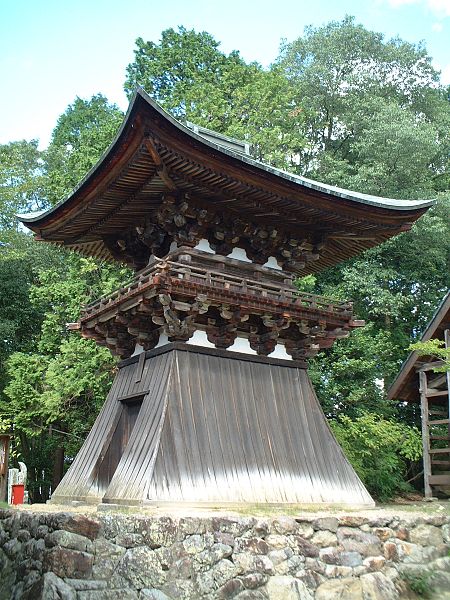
x,y
379,450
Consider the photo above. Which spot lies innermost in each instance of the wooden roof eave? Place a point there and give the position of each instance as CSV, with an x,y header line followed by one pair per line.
x,y
145,118
405,386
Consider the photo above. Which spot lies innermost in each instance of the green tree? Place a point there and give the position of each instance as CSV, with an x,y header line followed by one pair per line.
x,y
82,134
366,101
181,73
60,383
380,450
21,181
191,78
51,382
21,259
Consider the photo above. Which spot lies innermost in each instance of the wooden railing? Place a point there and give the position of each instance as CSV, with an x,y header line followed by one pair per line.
x,y
216,280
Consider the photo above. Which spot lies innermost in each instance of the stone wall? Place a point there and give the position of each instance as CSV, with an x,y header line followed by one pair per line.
x,y
108,556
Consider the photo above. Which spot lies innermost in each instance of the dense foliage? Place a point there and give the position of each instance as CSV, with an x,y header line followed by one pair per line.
x,y
339,104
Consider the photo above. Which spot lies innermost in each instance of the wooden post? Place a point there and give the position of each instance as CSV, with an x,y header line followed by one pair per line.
x,y
447,345
4,459
425,434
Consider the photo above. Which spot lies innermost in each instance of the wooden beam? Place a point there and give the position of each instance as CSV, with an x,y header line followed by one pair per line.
x,y
164,174
153,151
440,480
425,434
161,168
447,346
429,366
434,393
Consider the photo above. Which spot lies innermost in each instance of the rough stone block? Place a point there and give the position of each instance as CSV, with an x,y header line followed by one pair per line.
x,y
352,521
230,589
332,571
355,540
23,535
152,594
347,588
253,545
284,525
374,563
67,539
440,564
402,533
351,559
310,578
211,556
327,524
235,526
129,540
12,548
305,530
157,531
390,551
426,535
437,520
142,568
377,586
216,577
274,540
191,525
49,587
34,549
261,528
251,595
324,539
180,589
86,584
302,546
446,533
65,562
383,533
255,580
287,588
248,563
117,594
82,525
116,524
280,555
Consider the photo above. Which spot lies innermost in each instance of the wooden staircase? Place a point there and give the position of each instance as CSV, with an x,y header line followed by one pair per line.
x,y
435,410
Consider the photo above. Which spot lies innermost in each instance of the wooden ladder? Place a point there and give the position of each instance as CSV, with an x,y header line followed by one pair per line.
x,y
435,412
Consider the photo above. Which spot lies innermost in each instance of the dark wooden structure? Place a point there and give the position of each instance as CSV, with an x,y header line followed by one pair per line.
x,y
212,402
418,382
5,440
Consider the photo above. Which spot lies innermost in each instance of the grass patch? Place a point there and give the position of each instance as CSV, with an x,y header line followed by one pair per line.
x,y
420,583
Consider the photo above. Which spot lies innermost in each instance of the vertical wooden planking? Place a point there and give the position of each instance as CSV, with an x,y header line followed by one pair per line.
x,y
217,429
130,481
77,482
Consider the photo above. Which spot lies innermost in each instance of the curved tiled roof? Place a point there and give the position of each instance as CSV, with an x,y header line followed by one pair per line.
x,y
153,154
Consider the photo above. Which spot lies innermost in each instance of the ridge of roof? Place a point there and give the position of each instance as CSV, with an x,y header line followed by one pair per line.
x,y
412,357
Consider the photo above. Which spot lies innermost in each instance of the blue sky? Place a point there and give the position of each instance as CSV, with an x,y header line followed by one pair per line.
x,y
54,50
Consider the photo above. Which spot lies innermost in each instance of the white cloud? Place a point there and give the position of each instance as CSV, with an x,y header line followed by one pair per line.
x,y
397,3
440,8
437,27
